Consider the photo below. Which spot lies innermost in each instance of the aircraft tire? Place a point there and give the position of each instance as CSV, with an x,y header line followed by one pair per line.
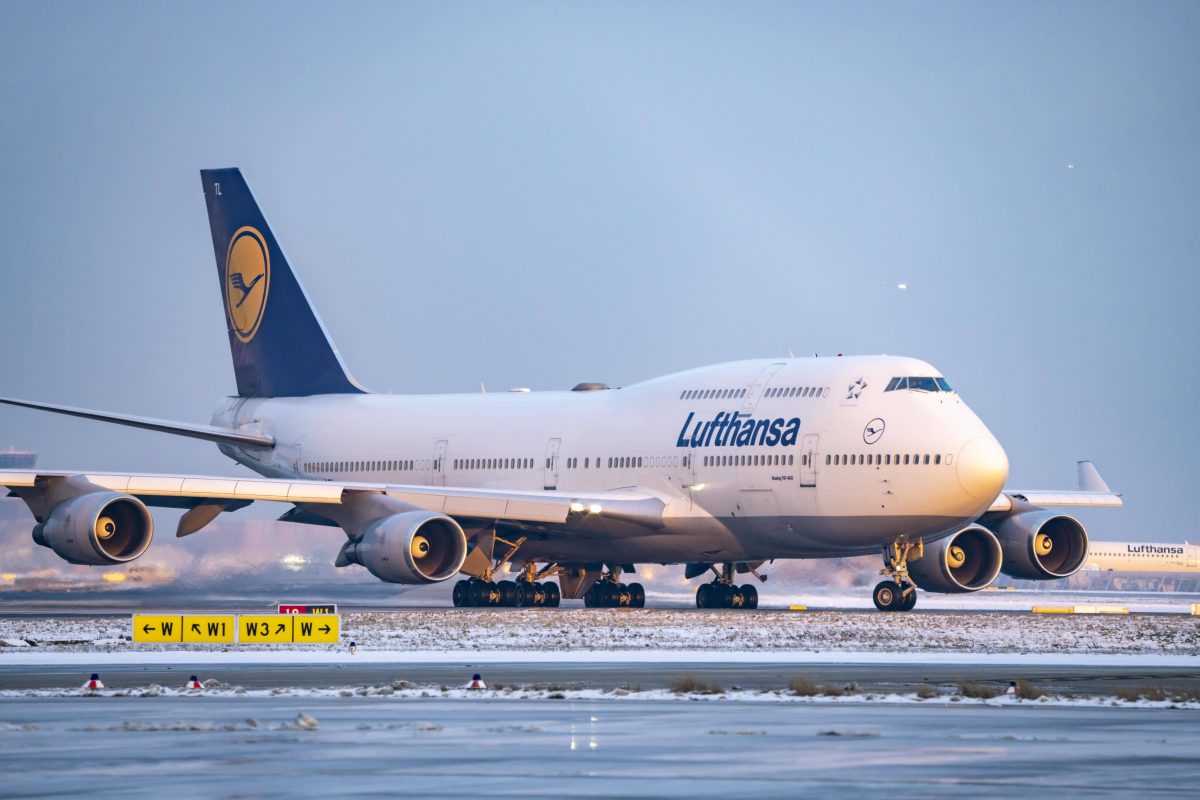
x,y
553,595
637,595
474,593
460,594
508,593
749,596
887,596
704,596
910,601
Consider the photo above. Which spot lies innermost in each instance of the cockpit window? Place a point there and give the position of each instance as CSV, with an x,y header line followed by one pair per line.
x,y
919,384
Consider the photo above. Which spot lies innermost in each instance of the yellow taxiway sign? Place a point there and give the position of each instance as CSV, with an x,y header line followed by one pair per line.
x,y
158,627
216,628
322,630
265,628
237,628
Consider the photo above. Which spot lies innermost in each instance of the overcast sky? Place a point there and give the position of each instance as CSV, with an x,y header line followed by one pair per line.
x,y
540,194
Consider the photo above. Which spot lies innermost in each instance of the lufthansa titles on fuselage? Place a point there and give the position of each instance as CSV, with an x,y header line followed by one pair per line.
x,y
1156,549
738,430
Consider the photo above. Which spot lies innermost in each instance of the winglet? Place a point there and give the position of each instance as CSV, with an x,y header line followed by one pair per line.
x,y
1090,480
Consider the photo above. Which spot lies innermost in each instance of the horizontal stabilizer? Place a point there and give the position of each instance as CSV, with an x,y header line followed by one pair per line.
x,y
209,433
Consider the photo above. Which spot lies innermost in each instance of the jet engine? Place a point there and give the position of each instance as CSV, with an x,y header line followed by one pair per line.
x,y
1042,545
411,547
97,528
964,562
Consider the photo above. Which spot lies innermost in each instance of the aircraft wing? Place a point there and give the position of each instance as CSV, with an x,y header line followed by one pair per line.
x,y
207,496
1093,492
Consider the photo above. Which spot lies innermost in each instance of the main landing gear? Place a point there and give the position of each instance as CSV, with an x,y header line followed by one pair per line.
x,y
475,593
525,592
899,593
722,593
609,592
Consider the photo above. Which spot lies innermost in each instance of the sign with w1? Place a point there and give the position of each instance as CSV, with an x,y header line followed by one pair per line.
x,y
327,608
247,628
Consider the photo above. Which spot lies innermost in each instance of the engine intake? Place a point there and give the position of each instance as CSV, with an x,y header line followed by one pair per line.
x,y
1042,545
412,547
97,528
967,561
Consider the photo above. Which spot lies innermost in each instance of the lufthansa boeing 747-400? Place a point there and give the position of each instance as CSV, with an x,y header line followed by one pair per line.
x,y
722,468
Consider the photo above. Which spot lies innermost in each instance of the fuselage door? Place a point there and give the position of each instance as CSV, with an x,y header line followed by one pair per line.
x,y
756,388
551,481
808,459
439,462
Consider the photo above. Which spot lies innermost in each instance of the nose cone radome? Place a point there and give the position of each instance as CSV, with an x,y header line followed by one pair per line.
x,y
982,468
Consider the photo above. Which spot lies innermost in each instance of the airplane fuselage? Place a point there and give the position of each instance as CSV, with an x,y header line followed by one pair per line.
x,y
754,459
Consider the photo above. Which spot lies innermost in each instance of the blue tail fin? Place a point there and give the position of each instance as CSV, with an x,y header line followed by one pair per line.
x,y
279,346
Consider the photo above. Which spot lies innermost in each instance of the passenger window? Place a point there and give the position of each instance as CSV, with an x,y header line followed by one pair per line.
x,y
827,460
906,458
937,459
927,459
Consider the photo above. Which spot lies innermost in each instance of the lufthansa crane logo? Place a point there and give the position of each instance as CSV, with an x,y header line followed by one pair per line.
x,y
873,431
247,279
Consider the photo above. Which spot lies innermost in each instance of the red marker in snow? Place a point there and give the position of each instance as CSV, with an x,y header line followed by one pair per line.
x,y
476,682
94,682
194,683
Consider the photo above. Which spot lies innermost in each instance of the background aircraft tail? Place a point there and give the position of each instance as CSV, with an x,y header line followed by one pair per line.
x,y
279,346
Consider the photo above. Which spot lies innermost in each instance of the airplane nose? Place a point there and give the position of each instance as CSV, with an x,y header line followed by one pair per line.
x,y
982,468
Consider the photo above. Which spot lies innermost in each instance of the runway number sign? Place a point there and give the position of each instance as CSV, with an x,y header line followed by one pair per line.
x,y
302,609
299,628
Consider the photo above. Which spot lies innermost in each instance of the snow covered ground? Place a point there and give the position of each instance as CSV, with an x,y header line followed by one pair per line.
x,y
415,634
557,744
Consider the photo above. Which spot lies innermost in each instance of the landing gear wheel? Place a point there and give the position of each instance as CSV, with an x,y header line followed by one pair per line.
x,y
474,593
553,595
523,595
704,596
749,596
507,590
460,594
910,600
887,596
637,595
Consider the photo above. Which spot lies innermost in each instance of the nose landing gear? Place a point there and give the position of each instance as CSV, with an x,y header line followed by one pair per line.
x,y
899,593
722,593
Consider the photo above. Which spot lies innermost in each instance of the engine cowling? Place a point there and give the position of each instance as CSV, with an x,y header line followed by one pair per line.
x,y
412,547
1042,545
967,561
97,528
